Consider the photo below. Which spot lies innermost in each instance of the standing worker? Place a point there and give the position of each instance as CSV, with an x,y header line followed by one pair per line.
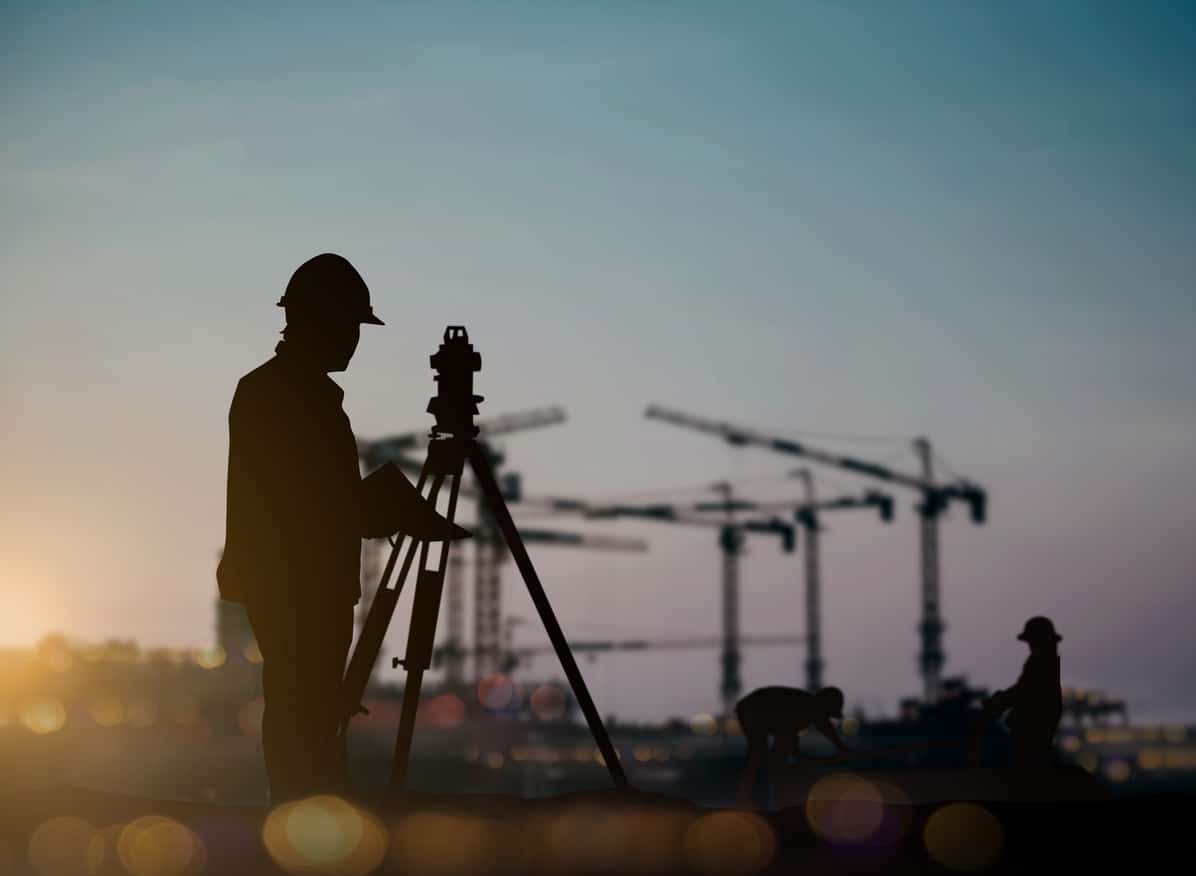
x,y
1035,702
297,511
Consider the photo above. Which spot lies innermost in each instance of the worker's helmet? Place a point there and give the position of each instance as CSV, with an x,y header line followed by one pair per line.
x,y
328,287
831,700
1039,629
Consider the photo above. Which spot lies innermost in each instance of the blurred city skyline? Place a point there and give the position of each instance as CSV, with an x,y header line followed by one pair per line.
x,y
976,224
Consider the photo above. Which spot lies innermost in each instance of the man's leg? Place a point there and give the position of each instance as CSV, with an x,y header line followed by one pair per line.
x,y
784,744
757,751
1032,749
273,629
328,634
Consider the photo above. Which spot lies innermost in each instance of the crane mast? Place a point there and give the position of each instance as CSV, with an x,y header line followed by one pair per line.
x,y
814,663
931,656
807,515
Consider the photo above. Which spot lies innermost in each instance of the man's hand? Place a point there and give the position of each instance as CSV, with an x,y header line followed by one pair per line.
x,y
391,504
999,702
827,729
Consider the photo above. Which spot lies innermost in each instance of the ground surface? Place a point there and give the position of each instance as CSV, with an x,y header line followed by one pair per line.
x,y
850,823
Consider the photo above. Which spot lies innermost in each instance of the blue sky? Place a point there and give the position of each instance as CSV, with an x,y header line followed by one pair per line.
x,y
971,221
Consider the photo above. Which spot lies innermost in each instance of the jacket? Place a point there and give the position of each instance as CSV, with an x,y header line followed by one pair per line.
x,y
295,515
1037,697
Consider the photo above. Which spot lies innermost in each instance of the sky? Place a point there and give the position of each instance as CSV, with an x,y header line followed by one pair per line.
x,y
974,222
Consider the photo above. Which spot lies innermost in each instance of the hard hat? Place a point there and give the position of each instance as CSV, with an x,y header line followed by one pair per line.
x,y
327,285
1039,629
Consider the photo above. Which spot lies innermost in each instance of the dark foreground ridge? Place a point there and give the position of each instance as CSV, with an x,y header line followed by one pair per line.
x,y
841,828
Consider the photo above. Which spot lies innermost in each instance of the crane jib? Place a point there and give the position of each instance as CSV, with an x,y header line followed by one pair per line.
x,y
867,468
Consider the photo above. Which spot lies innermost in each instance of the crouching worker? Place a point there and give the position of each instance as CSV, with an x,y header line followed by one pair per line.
x,y
783,713
297,512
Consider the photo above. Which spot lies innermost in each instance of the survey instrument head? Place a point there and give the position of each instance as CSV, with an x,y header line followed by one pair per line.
x,y
454,404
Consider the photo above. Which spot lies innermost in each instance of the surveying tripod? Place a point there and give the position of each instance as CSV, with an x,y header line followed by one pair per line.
x,y
453,443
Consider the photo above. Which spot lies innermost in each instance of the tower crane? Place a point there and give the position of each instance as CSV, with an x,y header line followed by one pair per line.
x,y
935,498
731,536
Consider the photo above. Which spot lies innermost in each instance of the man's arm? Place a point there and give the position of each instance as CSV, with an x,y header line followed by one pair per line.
x,y
234,575
259,501
1003,700
827,729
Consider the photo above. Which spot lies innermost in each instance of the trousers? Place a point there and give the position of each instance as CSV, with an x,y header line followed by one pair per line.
x,y
304,647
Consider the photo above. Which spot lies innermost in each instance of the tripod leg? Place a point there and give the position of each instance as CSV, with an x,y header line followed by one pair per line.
x,y
373,631
421,638
498,507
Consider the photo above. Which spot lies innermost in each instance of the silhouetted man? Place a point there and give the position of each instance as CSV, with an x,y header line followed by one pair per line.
x,y
297,512
1036,700
783,713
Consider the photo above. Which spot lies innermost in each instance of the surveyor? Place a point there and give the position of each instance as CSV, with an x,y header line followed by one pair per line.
x,y
783,713
1035,702
297,511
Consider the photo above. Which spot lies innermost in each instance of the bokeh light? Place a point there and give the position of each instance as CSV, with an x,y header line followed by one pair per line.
x,y
845,808
250,717
850,726
1118,770
729,844
211,657
445,712
154,845
66,846
107,711
441,845
1175,733
1150,759
964,836
548,702
324,835
587,837
56,654
703,723
43,715
655,839
496,691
